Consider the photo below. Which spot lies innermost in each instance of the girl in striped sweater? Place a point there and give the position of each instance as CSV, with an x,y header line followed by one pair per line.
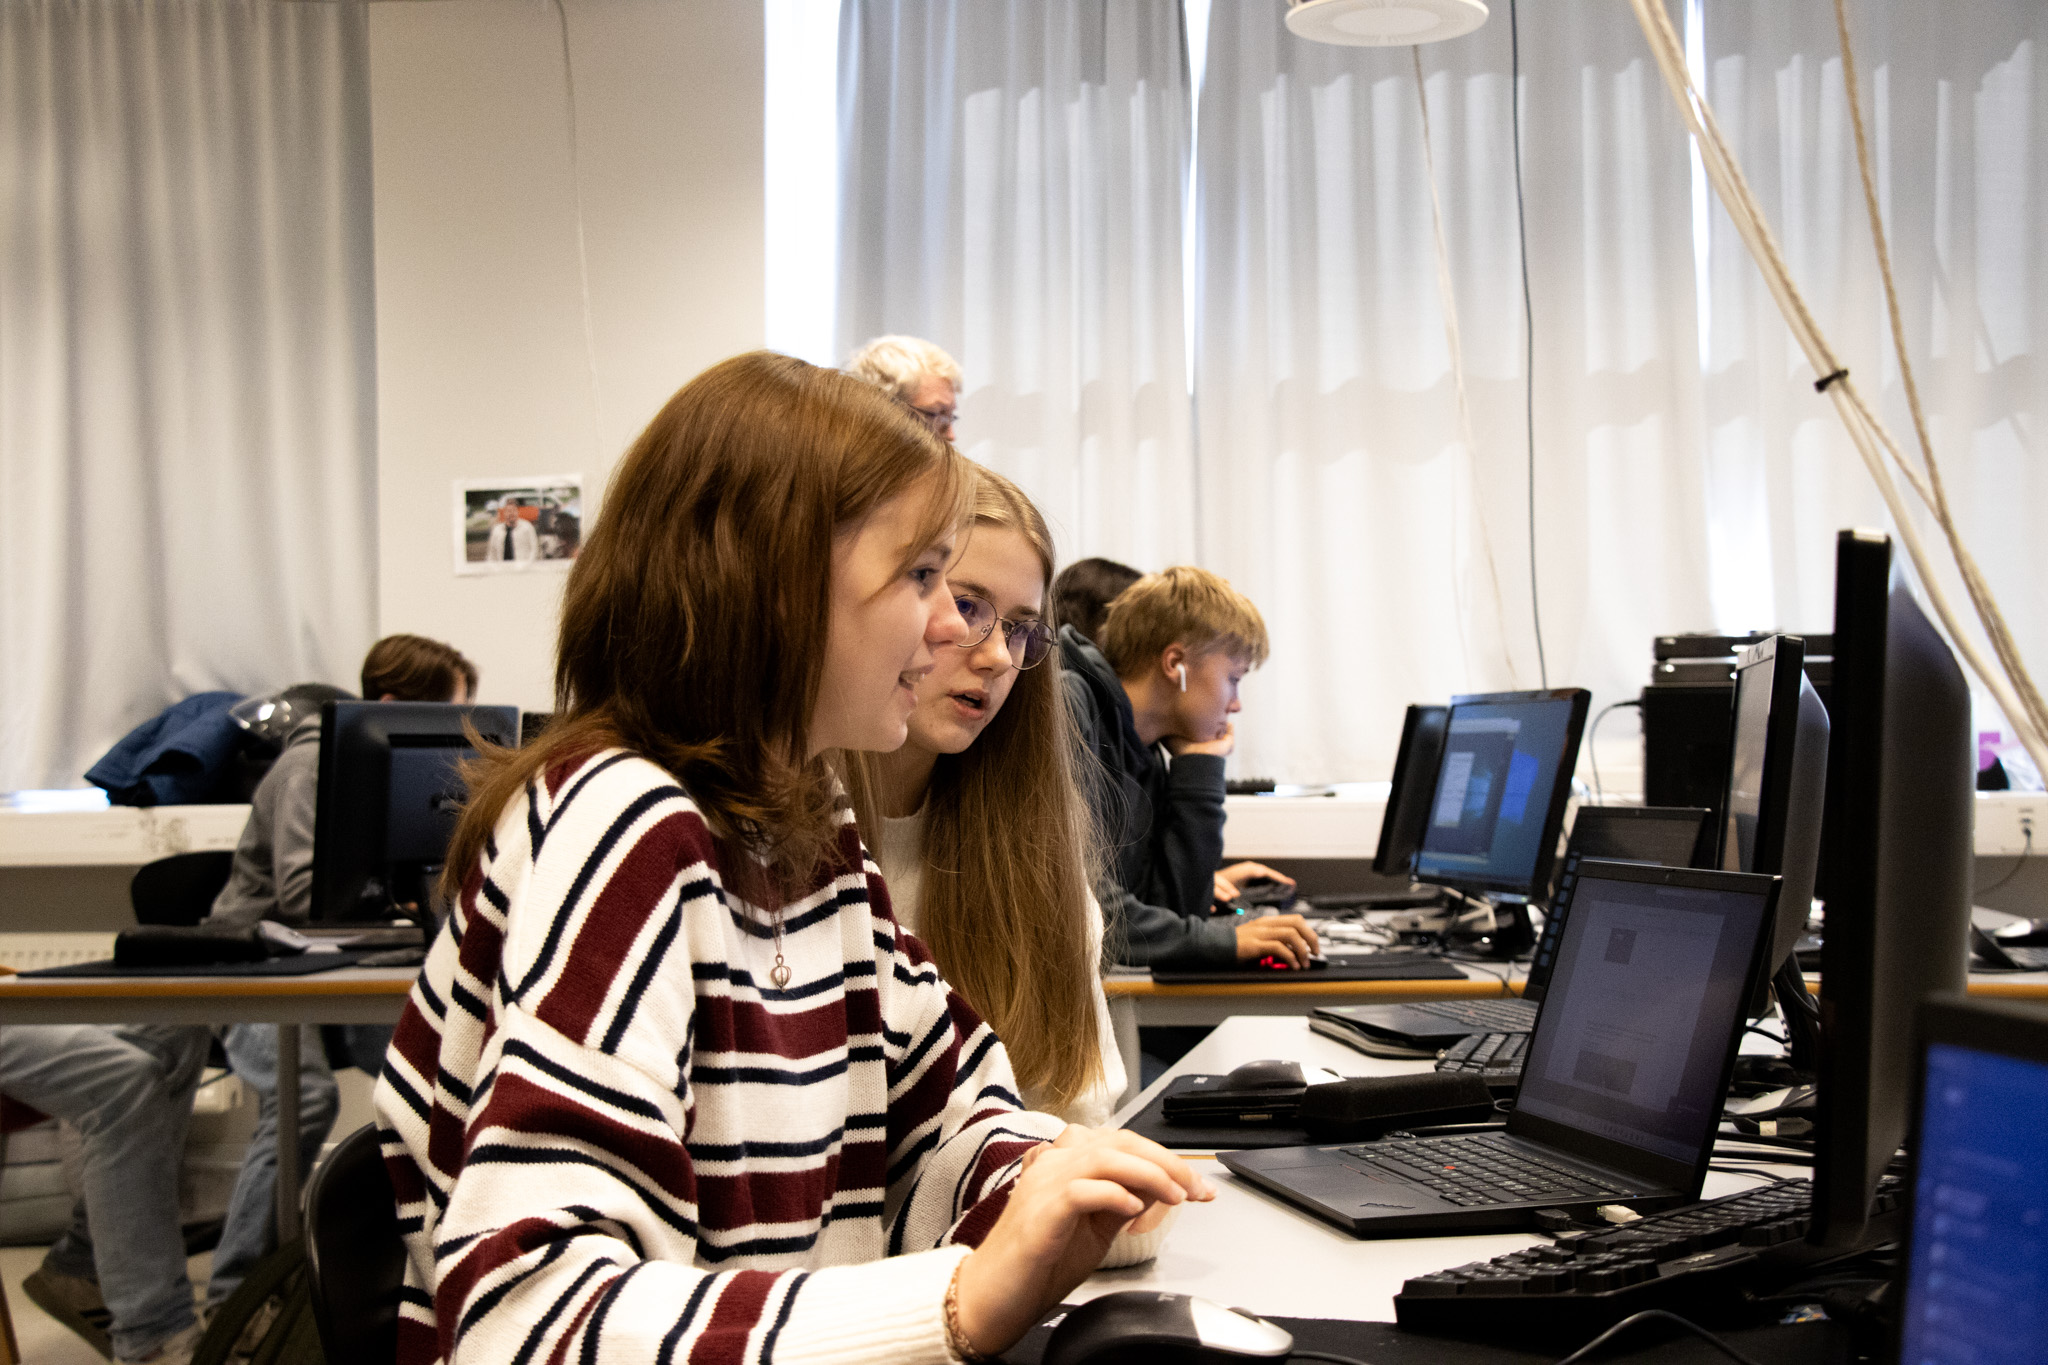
x,y
673,1083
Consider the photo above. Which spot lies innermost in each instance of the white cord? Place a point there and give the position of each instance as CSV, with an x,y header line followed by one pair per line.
x,y
1448,303
582,252
2009,683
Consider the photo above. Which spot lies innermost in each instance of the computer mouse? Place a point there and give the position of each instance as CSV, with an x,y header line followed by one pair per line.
x,y
1265,1075
1144,1325
1316,962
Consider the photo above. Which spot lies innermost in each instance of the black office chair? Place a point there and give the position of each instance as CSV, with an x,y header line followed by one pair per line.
x,y
354,1253
180,889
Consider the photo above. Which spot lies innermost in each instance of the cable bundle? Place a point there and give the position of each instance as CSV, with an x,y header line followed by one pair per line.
x,y
2009,682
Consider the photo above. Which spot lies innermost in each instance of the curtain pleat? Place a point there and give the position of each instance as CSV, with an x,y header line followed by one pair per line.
x,y
187,381
1011,181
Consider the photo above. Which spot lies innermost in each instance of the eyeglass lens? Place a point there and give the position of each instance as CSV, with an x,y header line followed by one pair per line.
x,y
1028,641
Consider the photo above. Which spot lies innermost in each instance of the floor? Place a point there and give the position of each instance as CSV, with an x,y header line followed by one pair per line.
x,y
42,1339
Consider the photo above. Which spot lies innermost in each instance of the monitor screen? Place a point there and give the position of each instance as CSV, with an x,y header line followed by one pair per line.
x,y
1634,1035
1501,789
1977,1271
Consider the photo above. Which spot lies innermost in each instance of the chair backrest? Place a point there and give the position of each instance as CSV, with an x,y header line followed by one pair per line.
x,y
354,1252
179,889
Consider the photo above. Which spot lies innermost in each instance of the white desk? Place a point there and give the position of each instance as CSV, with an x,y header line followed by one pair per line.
x,y
1249,1250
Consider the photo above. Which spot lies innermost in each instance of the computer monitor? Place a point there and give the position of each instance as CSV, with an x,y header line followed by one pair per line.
x,y
1669,836
1422,747
1975,1276
1897,840
1777,780
390,790
1500,792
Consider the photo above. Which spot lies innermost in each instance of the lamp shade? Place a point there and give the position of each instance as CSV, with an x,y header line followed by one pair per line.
x,y
1383,23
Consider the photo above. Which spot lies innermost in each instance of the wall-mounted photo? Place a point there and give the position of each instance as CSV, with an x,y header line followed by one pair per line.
x,y
518,525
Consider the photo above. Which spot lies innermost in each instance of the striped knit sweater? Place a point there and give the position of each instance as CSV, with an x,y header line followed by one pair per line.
x,y
612,1139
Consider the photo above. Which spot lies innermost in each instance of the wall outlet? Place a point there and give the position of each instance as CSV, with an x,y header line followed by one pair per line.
x,y
2004,820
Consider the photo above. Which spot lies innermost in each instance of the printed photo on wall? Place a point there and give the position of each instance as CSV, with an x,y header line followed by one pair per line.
x,y
518,525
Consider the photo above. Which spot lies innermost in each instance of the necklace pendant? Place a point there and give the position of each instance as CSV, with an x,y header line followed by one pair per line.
x,y
779,974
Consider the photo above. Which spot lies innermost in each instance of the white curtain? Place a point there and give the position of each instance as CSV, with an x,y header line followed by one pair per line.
x,y
1958,102
1011,183
187,387
1392,563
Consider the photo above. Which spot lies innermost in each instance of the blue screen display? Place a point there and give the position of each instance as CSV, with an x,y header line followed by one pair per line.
x,y
1978,1286
1493,792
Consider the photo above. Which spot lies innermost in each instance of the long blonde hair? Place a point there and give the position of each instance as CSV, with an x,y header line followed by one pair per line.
x,y
1010,853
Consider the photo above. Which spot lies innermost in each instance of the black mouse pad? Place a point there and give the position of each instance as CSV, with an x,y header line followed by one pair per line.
x,y
1392,967
1150,1122
1382,1343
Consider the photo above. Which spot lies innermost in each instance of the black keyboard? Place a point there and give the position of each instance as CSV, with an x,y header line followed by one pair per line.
x,y
1496,1057
1483,1015
1481,1169
2034,959
1697,1261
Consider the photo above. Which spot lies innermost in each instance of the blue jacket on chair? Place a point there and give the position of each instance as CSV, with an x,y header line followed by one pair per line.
x,y
175,757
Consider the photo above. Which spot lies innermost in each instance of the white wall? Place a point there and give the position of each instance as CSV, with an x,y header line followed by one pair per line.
x,y
482,362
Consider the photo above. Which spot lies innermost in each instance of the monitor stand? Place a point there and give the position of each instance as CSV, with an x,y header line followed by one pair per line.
x,y
1512,933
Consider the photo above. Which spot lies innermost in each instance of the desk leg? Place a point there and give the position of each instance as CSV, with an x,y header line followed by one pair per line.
x,y
1123,1017
287,1134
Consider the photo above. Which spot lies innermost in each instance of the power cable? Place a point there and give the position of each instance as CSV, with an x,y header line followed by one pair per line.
x,y
1656,1315
1528,326
2026,851
1593,754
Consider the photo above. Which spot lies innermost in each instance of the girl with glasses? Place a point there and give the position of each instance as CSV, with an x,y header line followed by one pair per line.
x,y
982,831
673,1085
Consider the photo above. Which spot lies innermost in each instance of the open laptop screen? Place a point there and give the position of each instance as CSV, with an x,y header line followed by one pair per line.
x,y
1977,1276
1633,1042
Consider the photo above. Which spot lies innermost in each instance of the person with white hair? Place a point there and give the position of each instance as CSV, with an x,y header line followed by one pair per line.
x,y
916,374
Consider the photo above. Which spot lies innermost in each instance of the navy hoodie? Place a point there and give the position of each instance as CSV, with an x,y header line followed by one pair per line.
x,y
1163,824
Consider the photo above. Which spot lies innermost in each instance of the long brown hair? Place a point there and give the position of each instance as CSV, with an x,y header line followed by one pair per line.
x,y
694,621
1010,855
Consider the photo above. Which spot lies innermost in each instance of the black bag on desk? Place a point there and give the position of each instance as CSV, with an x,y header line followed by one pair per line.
x,y
194,945
1259,1092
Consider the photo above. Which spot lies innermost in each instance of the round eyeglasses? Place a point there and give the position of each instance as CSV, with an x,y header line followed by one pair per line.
x,y
1028,641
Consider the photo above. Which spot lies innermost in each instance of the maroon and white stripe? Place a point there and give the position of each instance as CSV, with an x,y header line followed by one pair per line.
x,y
613,1140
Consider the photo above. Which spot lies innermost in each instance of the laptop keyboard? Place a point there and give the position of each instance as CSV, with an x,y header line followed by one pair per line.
x,y
2035,958
1482,1015
1495,1056
1480,1169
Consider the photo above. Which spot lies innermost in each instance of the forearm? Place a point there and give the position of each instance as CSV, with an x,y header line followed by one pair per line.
x,y
1146,935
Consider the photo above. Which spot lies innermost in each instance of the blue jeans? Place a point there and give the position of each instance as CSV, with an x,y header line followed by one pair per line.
x,y
251,1232
128,1091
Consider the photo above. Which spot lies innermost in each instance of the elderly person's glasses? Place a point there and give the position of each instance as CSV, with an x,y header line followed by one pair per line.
x,y
1028,641
938,419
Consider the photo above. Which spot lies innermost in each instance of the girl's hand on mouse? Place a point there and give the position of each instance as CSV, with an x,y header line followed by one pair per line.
x,y
1072,1199
1286,937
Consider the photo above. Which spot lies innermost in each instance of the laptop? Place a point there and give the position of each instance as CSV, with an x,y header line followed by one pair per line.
x,y
1669,835
1975,1276
1623,1085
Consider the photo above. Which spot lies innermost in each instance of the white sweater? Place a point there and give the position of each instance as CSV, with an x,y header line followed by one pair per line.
x,y
900,851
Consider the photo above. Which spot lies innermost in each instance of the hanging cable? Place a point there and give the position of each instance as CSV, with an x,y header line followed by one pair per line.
x,y
1448,301
582,252
1528,328
2008,681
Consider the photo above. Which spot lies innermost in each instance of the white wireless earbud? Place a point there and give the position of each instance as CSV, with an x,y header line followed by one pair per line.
x,y
1182,669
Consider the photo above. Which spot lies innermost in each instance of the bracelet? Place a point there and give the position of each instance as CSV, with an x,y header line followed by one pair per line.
x,y
956,1336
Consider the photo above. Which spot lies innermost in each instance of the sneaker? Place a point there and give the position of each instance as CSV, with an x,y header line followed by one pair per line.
x,y
176,1351
74,1301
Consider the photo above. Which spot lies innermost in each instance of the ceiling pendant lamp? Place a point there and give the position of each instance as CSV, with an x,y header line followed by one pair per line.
x,y
1383,23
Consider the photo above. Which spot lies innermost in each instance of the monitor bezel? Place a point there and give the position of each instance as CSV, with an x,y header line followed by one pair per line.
x,y
2001,1028
1560,793
1407,810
